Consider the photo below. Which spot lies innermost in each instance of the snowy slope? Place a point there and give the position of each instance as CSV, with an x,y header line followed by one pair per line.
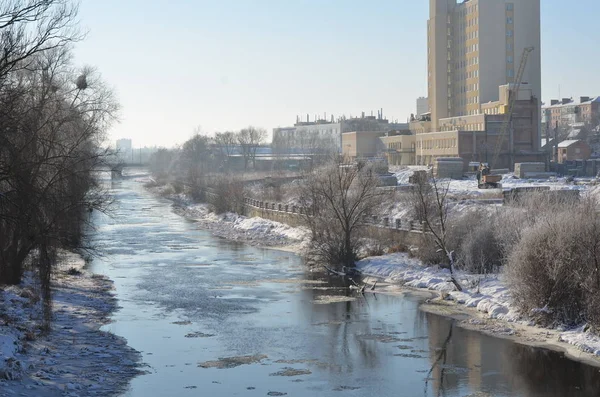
x,y
488,294
76,358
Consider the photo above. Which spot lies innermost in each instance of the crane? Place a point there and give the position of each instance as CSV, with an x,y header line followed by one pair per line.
x,y
507,124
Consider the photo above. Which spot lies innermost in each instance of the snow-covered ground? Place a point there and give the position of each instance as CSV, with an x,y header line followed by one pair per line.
x,y
468,186
255,231
488,294
76,358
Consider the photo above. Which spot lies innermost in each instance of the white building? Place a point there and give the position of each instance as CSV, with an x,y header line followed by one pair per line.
x,y
422,106
124,145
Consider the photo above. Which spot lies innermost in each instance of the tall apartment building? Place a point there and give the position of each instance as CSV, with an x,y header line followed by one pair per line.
x,y
474,47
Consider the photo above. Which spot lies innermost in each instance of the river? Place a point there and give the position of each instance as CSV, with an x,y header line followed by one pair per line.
x,y
213,317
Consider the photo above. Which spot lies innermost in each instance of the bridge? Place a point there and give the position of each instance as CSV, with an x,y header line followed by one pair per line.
x,y
116,168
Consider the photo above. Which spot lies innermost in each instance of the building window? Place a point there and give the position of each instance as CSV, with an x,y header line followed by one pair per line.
x,y
511,73
509,20
509,59
509,6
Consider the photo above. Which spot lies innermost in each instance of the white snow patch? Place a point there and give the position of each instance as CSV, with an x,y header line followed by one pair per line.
x,y
232,226
76,354
585,341
492,297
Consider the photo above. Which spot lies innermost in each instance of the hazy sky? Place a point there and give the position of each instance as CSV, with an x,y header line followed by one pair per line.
x,y
226,64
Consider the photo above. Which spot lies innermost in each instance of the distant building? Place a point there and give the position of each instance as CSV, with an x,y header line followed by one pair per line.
x,y
573,150
362,144
569,115
399,149
476,137
124,145
321,135
422,106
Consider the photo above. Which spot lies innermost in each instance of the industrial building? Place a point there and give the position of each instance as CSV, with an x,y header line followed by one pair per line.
x,y
322,135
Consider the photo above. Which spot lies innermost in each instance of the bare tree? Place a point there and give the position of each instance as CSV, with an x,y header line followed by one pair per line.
x,y
53,121
319,148
30,27
197,158
250,139
226,142
337,198
430,200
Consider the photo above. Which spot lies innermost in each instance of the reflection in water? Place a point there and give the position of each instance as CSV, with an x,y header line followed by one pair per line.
x,y
487,364
539,372
345,323
439,364
174,279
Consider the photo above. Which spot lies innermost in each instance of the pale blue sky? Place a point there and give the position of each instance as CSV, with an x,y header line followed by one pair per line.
x,y
225,64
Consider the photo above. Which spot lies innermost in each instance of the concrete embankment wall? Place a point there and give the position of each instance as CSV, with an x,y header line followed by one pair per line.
x,y
288,218
407,233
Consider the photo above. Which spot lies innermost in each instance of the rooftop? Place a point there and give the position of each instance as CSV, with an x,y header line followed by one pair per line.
x,y
571,102
568,143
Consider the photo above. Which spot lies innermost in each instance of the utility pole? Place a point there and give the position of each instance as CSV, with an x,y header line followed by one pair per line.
x,y
556,145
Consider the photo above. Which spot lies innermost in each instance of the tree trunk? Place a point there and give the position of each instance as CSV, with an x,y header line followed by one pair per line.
x,y
348,254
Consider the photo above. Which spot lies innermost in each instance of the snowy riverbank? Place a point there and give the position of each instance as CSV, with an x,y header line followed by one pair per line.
x,y
488,295
253,231
76,358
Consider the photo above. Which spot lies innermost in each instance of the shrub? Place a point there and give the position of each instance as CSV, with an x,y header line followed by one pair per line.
x,y
428,253
553,269
475,242
177,187
228,194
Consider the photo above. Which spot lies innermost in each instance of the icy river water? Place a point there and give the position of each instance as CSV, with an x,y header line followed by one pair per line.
x,y
218,318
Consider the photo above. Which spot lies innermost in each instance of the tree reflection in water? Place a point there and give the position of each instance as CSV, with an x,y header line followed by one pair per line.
x,y
440,361
541,372
346,324
461,357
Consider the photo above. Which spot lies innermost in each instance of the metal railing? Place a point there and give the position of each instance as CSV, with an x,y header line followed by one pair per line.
x,y
409,225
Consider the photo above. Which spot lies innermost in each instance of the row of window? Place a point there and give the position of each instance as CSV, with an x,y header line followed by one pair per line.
x,y
472,9
472,48
472,22
584,117
462,113
468,62
437,143
472,74
491,111
473,100
468,88
472,35
464,127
